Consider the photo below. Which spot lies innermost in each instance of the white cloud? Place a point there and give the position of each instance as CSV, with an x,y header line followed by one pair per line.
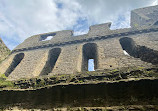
x,y
100,11
20,19
155,2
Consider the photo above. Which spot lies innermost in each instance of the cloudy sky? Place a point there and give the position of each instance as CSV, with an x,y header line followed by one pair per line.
x,y
20,19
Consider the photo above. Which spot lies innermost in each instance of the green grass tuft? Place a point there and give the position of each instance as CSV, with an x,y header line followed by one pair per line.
x,y
3,76
4,82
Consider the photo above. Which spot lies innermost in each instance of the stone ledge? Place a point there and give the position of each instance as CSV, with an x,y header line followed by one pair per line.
x,y
96,77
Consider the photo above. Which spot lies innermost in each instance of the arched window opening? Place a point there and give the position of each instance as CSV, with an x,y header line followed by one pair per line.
x,y
124,51
90,54
17,59
128,45
91,65
52,59
142,52
47,37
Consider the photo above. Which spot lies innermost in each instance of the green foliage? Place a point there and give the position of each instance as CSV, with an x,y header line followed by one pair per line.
x,y
4,82
3,76
136,25
141,68
114,70
81,81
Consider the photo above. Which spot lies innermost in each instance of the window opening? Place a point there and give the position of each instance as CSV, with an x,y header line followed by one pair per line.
x,y
52,59
91,65
124,51
47,37
144,53
90,54
16,61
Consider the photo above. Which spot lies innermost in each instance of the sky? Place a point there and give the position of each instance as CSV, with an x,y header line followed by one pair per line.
x,y
20,19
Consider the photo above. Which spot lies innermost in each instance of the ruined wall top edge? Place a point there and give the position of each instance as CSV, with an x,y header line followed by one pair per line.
x,y
144,16
139,18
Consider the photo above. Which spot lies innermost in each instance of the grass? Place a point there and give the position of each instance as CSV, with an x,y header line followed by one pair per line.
x,y
3,76
114,70
4,82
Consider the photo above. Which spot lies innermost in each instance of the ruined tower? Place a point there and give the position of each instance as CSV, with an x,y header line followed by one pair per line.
x,y
68,54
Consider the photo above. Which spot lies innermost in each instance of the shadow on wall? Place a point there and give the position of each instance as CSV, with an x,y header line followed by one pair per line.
x,y
52,58
142,52
89,51
156,23
17,59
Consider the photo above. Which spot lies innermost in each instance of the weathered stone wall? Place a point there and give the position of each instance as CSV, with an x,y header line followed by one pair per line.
x,y
144,16
111,56
71,59
4,51
31,65
68,60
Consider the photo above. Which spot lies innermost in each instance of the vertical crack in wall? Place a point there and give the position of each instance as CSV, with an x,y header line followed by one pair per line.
x,y
17,59
142,52
89,51
52,58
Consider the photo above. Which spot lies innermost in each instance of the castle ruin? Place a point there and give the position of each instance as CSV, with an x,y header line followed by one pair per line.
x,y
54,73
68,54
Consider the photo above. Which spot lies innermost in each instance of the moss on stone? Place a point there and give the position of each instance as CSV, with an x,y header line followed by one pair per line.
x,y
114,75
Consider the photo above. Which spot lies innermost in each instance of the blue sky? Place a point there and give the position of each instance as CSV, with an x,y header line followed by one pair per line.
x,y
20,19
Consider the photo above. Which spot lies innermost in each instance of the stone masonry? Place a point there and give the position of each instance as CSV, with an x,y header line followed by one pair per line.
x,y
68,54
4,51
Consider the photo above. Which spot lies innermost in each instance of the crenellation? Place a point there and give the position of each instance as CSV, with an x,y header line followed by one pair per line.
x,y
130,31
99,29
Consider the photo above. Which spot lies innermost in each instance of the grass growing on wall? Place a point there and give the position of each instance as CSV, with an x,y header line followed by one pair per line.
x,y
4,83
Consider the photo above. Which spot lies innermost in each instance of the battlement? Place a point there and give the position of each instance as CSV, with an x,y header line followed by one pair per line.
x,y
141,19
69,40
63,53
64,37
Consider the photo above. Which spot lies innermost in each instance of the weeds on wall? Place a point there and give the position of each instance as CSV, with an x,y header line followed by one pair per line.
x,y
4,83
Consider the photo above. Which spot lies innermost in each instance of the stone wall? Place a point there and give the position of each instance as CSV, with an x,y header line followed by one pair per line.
x,y
103,45
4,51
144,16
